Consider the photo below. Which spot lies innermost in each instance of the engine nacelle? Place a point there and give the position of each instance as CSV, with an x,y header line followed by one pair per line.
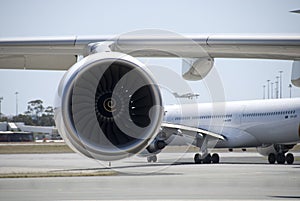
x,y
108,106
266,150
274,149
295,78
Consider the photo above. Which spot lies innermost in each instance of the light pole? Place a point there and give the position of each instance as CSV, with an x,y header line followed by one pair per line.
x,y
268,89
277,86
280,73
1,98
17,103
264,91
272,90
290,86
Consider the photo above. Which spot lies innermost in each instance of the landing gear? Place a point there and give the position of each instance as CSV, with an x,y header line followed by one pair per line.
x,y
289,158
152,159
197,158
215,158
207,159
204,156
272,158
281,158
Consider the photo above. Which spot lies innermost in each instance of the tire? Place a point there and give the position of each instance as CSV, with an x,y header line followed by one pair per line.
x,y
197,158
280,159
289,158
215,158
272,158
207,159
154,159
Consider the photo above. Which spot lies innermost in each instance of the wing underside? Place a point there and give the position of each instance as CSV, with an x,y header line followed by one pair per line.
x,y
59,53
191,131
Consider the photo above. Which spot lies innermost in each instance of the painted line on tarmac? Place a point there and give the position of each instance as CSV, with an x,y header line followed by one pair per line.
x,y
56,174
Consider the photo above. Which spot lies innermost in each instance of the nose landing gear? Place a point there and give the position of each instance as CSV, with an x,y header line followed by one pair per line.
x,y
152,158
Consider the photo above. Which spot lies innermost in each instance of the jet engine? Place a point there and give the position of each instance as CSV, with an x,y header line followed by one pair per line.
x,y
108,106
274,149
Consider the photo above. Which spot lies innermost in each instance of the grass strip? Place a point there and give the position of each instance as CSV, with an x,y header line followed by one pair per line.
x,y
34,149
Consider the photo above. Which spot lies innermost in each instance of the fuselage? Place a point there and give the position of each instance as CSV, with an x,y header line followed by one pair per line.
x,y
244,123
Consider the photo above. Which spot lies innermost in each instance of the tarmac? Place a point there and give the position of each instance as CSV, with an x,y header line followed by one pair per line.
x,y
239,176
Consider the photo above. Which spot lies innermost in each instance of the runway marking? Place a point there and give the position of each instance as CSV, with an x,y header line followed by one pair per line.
x,y
184,200
56,174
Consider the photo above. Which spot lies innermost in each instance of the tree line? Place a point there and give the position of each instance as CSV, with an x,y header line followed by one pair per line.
x,y
35,115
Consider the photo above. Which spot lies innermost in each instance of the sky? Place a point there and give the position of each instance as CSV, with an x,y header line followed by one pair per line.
x,y
241,79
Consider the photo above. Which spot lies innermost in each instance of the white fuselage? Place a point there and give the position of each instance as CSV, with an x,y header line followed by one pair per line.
x,y
244,123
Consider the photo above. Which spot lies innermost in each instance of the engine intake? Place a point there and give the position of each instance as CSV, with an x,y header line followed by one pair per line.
x,y
109,106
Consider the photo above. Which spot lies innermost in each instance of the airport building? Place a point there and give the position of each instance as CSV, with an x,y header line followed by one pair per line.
x,y
9,132
19,132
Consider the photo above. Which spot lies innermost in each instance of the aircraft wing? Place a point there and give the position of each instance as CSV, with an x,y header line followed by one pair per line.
x,y
59,53
192,131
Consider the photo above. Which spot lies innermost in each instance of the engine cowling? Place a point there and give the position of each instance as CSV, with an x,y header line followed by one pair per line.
x,y
295,78
274,149
108,106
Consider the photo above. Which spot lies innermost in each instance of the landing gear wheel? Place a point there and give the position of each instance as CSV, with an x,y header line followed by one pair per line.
x,y
280,159
272,158
215,158
207,159
152,159
289,158
197,158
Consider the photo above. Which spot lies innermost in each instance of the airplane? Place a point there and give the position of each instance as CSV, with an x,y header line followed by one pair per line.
x,y
295,11
271,125
108,105
187,95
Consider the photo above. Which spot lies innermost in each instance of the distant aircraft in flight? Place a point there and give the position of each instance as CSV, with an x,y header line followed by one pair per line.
x,y
187,95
